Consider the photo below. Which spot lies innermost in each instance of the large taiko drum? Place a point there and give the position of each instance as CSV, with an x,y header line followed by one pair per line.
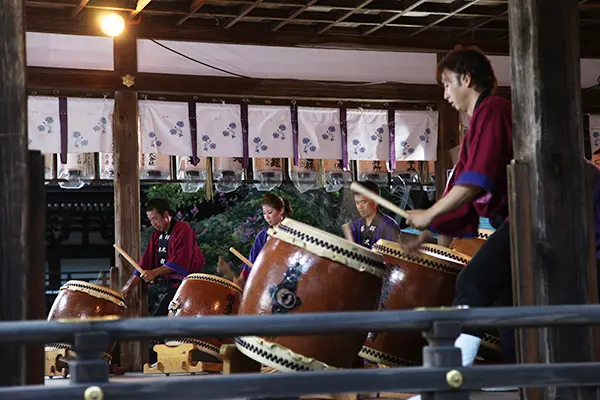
x,y
202,295
470,246
425,278
81,300
302,269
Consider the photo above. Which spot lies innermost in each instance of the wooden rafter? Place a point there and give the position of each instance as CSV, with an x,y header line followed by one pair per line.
x,y
194,7
341,24
79,8
445,17
294,15
141,4
244,12
394,17
345,15
484,22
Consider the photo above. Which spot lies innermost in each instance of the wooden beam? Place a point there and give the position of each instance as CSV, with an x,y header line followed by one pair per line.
x,y
242,14
195,6
394,17
108,81
14,193
36,276
555,260
141,4
79,8
127,195
127,215
215,87
293,15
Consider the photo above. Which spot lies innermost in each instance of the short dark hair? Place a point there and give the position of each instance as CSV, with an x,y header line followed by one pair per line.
x,y
371,186
469,60
160,205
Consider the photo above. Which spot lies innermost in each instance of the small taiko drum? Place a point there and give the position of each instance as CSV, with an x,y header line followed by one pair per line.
x,y
202,295
302,269
425,278
470,246
81,300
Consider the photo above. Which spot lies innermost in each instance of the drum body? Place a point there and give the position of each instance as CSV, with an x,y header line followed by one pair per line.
x,y
424,279
202,295
302,269
81,300
470,246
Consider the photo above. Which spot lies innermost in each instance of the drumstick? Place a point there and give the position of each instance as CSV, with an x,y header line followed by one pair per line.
x,y
347,232
358,188
241,257
126,256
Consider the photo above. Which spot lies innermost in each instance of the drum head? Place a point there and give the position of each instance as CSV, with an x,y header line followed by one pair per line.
x,y
98,291
329,246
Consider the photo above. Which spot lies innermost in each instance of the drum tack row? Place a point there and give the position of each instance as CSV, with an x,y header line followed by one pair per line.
x,y
300,269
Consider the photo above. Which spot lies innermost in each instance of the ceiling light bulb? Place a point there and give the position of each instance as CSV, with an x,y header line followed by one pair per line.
x,y
112,24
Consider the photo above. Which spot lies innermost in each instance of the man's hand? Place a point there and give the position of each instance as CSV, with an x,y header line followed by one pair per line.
x,y
223,268
150,275
129,286
420,219
413,245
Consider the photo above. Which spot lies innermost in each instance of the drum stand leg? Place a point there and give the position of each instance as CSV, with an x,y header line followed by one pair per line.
x,y
56,364
178,359
235,362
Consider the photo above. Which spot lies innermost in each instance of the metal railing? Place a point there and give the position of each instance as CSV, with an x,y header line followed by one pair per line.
x,y
441,376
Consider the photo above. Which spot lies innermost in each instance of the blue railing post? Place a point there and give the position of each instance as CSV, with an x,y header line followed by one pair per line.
x,y
90,366
441,352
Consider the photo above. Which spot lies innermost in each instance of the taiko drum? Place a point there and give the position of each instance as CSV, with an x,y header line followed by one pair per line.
x,y
302,269
202,295
83,300
425,278
470,246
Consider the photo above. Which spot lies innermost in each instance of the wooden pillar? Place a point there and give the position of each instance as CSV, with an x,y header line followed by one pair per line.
x,y
14,196
448,137
127,195
551,214
36,293
587,145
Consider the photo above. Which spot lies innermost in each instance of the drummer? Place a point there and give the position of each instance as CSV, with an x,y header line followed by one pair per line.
x,y
478,186
275,209
171,254
372,224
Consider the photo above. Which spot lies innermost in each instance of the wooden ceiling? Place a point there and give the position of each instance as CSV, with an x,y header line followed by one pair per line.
x,y
391,25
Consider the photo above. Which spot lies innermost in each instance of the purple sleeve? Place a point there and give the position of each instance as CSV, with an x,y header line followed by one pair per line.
x,y
259,243
389,230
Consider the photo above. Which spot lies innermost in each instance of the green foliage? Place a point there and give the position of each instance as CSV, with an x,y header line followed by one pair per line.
x,y
178,199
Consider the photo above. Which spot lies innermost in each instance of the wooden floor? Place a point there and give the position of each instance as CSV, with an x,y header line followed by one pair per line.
x,y
381,396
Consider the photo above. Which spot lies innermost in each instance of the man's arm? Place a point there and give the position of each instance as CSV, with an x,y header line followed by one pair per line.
x,y
456,197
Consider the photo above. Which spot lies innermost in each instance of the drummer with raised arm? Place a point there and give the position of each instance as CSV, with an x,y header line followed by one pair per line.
x,y
372,224
171,254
